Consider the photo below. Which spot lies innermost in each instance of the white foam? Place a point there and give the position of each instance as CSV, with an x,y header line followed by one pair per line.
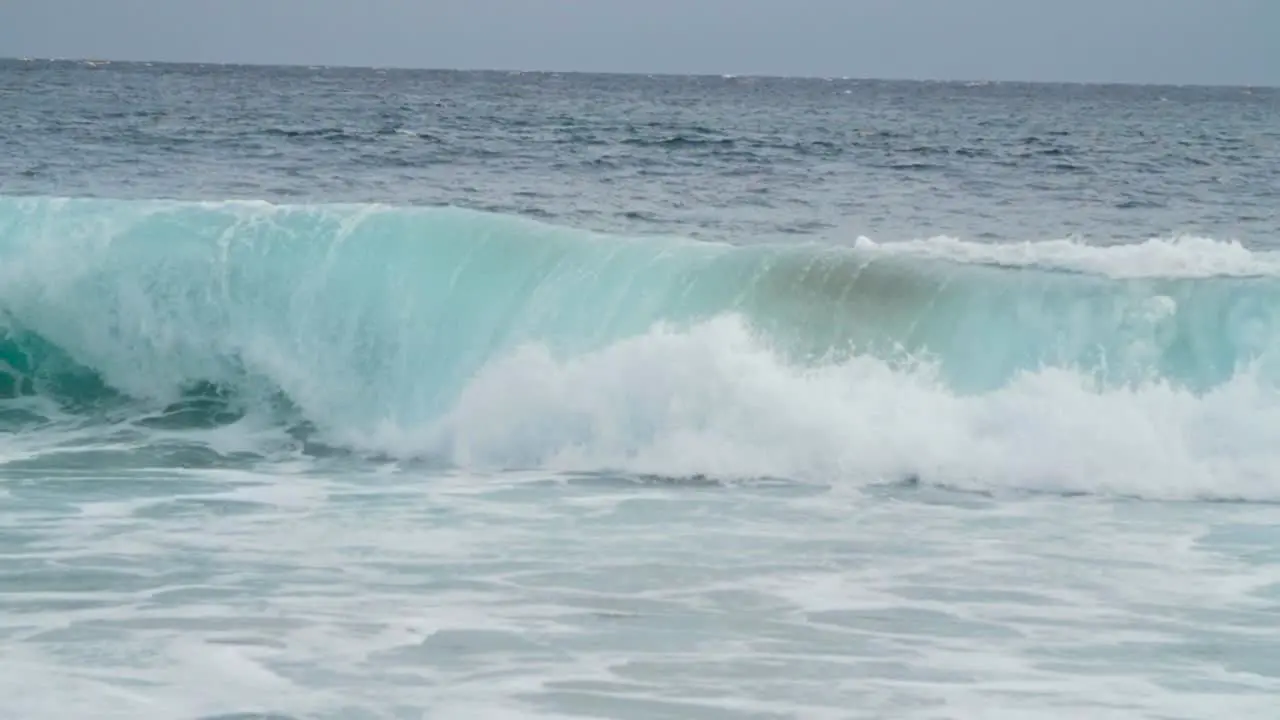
x,y
1185,256
714,401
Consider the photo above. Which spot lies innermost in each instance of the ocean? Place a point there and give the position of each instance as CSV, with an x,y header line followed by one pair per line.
x,y
375,393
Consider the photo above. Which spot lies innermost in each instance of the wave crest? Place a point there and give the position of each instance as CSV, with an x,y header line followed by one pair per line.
x,y
496,341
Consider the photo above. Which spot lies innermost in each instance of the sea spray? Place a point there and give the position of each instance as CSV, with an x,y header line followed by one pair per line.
x,y
481,339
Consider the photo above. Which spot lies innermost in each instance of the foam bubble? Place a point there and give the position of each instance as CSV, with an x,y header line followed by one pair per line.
x,y
1182,256
716,401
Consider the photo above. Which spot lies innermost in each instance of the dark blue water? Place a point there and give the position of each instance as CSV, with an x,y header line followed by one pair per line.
x,y
737,158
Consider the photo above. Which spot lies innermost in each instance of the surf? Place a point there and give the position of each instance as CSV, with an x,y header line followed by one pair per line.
x,y
494,341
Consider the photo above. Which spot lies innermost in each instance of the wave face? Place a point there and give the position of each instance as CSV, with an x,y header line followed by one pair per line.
x,y
489,340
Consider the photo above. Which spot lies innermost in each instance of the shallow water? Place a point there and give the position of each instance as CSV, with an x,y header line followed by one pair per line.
x,y
399,594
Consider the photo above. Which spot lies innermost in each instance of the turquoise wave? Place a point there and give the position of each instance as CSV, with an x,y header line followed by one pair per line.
x,y
378,314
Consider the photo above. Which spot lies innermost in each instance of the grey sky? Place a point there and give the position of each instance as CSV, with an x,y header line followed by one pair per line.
x,y
1166,41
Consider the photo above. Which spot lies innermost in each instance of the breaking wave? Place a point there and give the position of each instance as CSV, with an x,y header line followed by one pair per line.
x,y
491,341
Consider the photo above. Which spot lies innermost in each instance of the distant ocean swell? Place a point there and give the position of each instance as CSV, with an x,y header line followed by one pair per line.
x,y
489,341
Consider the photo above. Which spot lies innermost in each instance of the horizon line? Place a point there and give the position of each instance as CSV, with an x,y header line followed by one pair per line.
x,y
622,73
